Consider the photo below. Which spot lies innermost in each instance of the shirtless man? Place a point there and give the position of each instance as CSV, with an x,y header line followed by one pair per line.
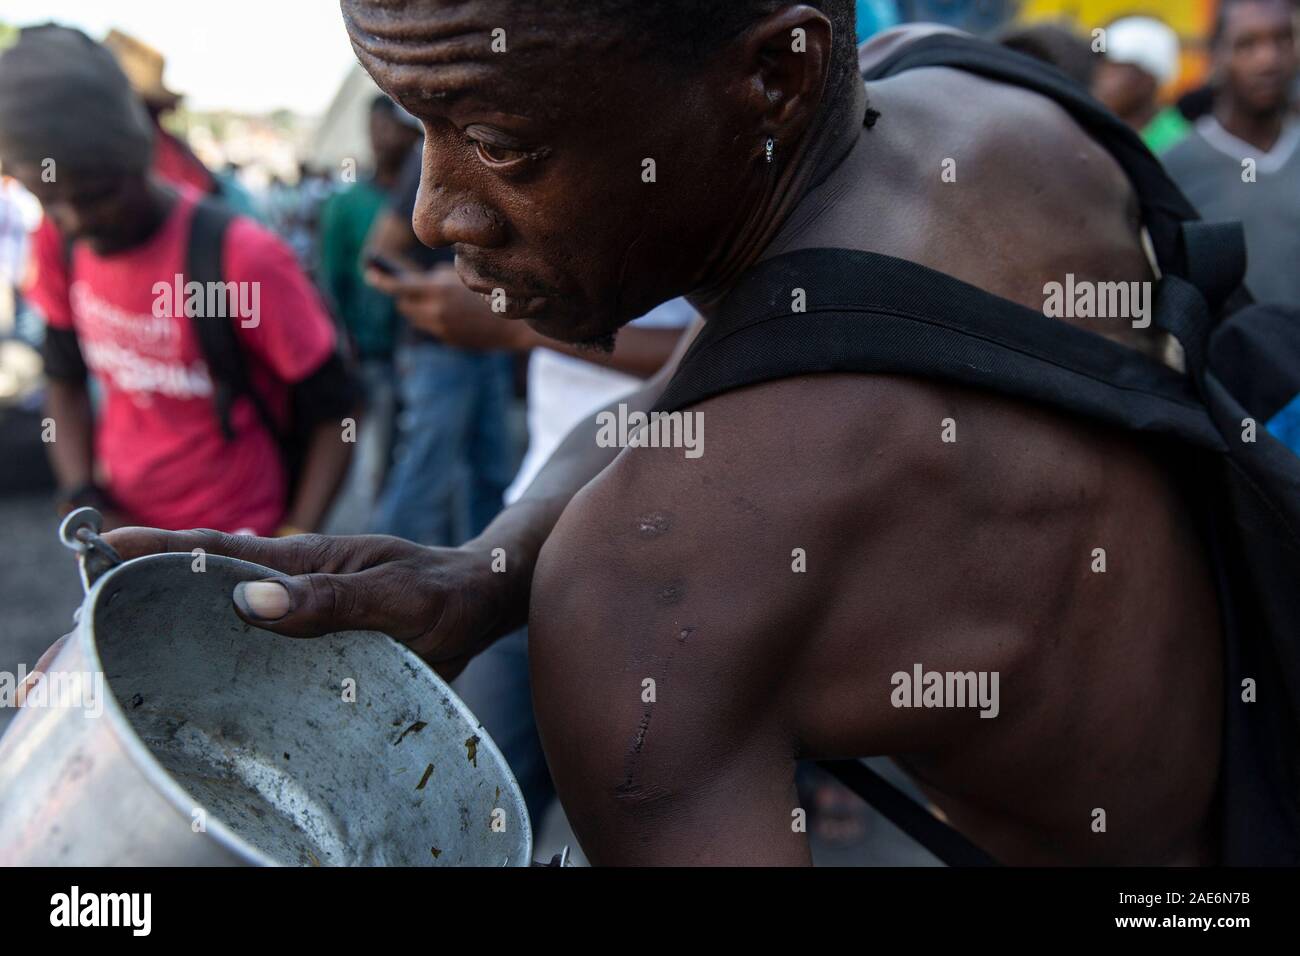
x,y
645,564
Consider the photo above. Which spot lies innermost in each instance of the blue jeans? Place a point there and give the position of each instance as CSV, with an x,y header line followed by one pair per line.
x,y
453,458
351,511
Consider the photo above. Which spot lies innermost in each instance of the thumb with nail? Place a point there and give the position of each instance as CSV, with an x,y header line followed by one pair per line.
x,y
262,601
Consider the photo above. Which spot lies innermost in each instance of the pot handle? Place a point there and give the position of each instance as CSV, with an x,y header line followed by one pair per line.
x,y
560,859
80,532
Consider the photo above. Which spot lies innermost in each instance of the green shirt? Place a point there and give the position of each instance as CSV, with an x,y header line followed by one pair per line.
x,y
1166,130
369,316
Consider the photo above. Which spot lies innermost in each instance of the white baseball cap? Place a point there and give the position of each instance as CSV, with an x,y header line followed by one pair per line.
x,y
1145,42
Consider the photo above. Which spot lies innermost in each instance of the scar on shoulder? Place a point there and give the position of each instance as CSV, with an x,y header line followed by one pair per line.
x,y
653,524
671,593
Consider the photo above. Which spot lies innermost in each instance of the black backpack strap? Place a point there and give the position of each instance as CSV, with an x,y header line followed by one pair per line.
x,y
871,313
943,841
1215,253
1189,307
204,263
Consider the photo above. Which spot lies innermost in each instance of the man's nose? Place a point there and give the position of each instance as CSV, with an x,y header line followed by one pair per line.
x,y
443,221
446,214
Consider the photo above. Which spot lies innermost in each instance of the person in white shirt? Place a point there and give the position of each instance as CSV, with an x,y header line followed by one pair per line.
x,y
20,213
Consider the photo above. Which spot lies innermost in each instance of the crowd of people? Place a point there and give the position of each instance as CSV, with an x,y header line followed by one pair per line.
x,y
356,385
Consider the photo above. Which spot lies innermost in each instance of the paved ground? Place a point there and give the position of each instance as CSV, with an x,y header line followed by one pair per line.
x,y
39,585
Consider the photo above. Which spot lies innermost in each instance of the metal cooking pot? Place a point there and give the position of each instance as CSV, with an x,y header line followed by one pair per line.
x,y
172,733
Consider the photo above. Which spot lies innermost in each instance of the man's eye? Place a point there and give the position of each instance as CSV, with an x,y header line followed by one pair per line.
x,y
494,155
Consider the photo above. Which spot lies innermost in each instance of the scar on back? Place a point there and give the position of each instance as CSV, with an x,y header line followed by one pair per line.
x,y
671,593
653,524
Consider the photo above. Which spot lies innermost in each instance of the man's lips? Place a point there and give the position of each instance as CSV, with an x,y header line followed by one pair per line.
x,y
518,301
487,287
515,303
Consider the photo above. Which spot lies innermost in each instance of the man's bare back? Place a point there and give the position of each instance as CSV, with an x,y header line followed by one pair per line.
x,y
977,554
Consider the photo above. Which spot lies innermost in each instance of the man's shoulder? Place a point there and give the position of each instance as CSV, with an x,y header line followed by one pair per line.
x,y
1000,143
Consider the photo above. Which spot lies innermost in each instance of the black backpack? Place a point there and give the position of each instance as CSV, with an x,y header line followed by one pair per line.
x,y
876,314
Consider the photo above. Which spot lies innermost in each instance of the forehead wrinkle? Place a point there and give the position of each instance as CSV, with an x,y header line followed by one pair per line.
x,y
408,22
460,49
390,36
439,36
491,83
422,81
414,86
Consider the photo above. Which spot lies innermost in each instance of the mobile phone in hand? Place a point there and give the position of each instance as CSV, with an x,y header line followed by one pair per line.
x,y
385,265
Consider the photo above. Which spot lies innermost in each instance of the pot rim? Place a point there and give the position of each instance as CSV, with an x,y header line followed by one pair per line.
x,y
171,790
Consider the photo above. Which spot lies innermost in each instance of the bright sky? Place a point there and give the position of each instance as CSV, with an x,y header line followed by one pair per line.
x,y
246,55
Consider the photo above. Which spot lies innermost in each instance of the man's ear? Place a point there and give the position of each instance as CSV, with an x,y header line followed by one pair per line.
x,y
788,59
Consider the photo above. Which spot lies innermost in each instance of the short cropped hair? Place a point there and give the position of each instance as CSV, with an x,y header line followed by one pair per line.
x,y
688,31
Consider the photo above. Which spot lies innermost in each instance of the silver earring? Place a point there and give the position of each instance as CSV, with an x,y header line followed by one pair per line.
x,y
768,150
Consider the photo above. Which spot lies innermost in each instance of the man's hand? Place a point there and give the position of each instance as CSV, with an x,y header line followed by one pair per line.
x,y
446,604
115,519
437,302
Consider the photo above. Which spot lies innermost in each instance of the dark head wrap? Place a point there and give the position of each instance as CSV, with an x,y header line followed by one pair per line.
x,y
63,97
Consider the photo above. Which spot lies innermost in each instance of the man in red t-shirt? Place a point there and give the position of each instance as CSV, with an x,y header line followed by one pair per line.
x,y
157,453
